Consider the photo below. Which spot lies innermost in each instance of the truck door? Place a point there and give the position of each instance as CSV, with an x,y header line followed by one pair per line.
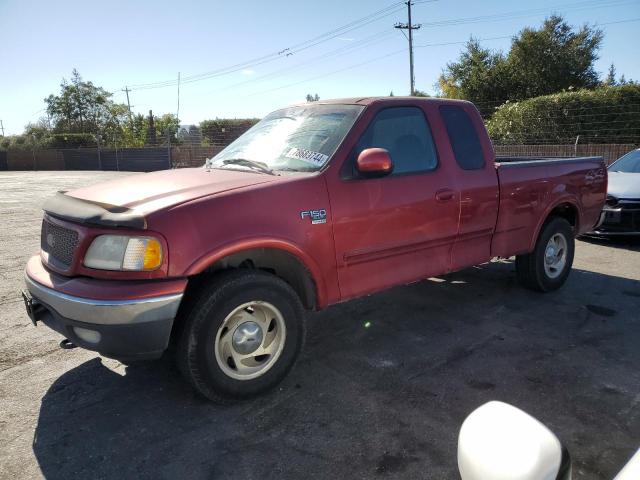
x,y
401,227
478,180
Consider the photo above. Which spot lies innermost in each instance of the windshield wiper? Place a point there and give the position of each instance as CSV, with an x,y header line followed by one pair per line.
x,y
289,169
258,166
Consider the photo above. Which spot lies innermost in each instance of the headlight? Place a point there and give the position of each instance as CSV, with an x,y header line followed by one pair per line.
x,y
120,252
611,201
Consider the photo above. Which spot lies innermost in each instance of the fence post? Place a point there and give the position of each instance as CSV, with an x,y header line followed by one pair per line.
x,y
99,156
115,142
169,148
33,150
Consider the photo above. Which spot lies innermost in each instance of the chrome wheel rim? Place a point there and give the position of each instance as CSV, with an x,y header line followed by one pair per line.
x,y
555,255
250,340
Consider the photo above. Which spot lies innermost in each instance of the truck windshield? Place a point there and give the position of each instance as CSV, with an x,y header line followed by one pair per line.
x,y
629,163
300,138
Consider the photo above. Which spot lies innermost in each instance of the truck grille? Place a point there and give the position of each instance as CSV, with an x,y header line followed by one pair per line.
x,y
59,242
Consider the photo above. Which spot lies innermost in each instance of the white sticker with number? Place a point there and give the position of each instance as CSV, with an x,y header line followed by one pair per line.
x,y
315,158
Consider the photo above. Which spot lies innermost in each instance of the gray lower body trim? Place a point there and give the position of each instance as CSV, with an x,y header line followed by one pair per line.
x,y
106,312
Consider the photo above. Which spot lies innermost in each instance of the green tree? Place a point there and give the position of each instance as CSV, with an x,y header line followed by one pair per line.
x,y
167,126
610,79
312,98
83,110
479,75
553,58
550,59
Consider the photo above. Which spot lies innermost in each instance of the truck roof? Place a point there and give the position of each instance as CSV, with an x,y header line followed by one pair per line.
x,y
385,99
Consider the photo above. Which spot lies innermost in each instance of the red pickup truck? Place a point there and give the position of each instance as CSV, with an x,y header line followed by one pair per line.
x,y
316,204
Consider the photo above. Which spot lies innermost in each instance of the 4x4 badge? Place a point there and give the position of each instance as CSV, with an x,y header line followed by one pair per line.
x,y
316,216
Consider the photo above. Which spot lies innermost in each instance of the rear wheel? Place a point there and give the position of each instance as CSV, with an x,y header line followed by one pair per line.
x,y
242,335
548,266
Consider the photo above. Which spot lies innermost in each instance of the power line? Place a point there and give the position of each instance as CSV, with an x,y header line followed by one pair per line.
x,y
283,53
329,73
359,23
365,42
360,64
462,42
618,21
267,59
586,5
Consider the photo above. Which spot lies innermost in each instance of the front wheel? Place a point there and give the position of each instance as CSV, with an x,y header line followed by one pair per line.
x,y
242,335
548,266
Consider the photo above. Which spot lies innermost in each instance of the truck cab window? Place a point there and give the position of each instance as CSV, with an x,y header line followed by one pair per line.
x,y
405,134
463,137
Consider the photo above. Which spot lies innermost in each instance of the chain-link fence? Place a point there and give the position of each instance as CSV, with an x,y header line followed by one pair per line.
x,y
609,151
193,145
124,159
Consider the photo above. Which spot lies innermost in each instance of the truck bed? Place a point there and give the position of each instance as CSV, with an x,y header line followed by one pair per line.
x,y
530,187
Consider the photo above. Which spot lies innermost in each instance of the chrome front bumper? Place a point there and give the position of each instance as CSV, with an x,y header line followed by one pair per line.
x,y
136,329
106,312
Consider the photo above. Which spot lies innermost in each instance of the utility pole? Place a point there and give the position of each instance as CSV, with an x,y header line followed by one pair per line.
x,y
178,111
411,27
2,127
126,89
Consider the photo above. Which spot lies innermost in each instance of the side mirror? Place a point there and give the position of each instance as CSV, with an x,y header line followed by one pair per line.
x,y
500,442
374,162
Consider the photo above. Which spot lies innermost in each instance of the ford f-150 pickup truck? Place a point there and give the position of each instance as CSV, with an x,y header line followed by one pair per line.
x,y
316,204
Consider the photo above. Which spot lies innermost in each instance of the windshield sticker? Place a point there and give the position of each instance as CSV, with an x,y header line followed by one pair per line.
x,y
309,156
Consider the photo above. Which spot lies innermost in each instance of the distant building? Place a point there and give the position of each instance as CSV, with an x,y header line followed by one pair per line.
x,y
189,135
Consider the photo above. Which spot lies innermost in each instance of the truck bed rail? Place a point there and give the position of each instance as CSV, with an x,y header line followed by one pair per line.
x,y
531,161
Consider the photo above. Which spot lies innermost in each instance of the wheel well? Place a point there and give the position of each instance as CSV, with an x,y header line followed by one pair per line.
x,y
568,211
278,262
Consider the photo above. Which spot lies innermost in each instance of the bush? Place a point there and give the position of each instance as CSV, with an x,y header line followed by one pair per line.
x,y
223,131
605,115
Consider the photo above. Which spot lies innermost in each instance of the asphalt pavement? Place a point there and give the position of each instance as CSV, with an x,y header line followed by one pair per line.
x,y
380,391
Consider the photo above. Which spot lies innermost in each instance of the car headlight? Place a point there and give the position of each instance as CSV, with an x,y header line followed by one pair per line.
x,y
611,201
120,252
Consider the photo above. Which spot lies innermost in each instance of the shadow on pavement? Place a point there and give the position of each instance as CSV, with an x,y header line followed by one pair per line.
x,y
625,242
381,390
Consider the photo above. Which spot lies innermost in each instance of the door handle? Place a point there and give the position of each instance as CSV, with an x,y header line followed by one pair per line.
x,y
445,195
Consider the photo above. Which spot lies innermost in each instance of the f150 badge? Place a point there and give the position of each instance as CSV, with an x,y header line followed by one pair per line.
x,y
316,216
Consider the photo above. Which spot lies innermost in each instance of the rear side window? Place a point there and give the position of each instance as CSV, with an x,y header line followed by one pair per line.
x,y
405,134
464,138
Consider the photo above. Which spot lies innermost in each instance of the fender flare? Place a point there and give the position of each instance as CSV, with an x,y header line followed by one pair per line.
x,y
567,199
239,246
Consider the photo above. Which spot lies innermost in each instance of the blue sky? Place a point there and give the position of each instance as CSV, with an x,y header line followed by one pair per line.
x,y
120,43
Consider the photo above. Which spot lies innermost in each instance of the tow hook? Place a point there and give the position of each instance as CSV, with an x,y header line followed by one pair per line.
x,y
67,344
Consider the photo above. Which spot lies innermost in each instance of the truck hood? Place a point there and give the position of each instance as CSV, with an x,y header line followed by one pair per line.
x,y
148,192
125,202
624,185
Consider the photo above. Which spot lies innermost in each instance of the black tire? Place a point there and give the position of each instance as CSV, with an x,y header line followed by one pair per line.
x,y
530,268
210,306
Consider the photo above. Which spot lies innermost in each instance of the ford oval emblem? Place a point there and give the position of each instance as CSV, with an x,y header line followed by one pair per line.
x,y
51,241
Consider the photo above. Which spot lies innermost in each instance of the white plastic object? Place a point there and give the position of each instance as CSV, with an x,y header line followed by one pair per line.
x,y
498,441
631,470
